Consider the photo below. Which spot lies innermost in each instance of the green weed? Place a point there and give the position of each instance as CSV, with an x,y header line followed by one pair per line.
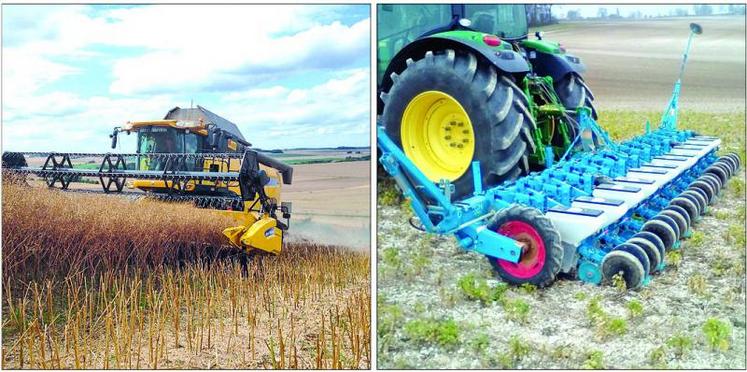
x,y
697,239
615,327
736,187
388,194
390,256
505,361
721,265
594,310
441,332
697,285
517,310
528,288
606,325
477,288
658,357
735,235
721,215
635,308
562,352
674,258
389,318
680,344
594,360
419,261
518,348
717,334
480,343
619,282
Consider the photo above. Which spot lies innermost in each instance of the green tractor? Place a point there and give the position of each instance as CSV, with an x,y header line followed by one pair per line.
x,y
460,83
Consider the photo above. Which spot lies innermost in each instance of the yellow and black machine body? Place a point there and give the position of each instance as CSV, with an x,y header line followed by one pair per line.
x,y
191,155
191,131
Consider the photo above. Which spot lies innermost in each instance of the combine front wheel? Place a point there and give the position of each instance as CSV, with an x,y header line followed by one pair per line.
x,y
542,253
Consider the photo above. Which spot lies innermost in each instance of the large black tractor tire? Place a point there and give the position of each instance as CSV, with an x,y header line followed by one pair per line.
x,y
495,106
574,93
542,255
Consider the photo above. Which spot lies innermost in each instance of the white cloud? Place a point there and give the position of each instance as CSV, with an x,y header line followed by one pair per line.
x,y
173,52
83,129
241,61
338,108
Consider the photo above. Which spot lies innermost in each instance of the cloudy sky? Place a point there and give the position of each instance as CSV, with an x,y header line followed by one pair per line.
x,y
288,75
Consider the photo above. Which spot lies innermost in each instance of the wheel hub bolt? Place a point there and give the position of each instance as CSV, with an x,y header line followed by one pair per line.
x,y
452,144
447,137
460,145
453,123
465,140
465,131
460,124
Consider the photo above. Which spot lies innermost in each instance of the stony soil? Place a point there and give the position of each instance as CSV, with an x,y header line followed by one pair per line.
x,y
422,283
426,320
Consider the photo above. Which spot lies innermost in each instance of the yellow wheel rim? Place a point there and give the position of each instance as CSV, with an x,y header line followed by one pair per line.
x,y
437,135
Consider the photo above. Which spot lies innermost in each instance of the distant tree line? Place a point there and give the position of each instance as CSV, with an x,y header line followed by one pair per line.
x,y
539,14
697,10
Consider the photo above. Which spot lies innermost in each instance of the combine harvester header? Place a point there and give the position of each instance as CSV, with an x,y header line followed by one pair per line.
x,y
604,209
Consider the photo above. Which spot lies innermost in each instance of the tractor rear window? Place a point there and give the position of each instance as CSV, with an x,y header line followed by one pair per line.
x,y
508,21
399,25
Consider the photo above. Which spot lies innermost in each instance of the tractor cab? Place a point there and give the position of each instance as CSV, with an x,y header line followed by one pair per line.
x,y
401,24
507,21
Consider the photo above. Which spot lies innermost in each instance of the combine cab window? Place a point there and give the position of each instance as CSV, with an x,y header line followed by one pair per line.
x,y
399,25
191,143
158,140
192,146
507,21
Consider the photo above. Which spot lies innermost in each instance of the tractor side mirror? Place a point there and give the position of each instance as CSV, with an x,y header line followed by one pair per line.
x,y
113,136
696,28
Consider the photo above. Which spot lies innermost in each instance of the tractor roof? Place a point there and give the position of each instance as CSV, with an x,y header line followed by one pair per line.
x,y
208,117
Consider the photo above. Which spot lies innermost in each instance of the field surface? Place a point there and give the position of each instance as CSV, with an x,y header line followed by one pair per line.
x,y
112,282
439,307
331,203
632,65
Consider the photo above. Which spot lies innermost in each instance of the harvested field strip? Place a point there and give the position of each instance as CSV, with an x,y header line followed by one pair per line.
x,y
93,282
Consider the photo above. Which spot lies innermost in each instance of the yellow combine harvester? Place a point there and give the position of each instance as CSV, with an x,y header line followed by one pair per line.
x,y
190,155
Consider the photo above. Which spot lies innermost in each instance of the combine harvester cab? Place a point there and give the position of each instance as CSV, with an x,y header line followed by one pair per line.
x,y
603,211
203,161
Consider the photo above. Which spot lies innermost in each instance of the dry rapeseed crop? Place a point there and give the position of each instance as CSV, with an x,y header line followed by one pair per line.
x,y
104,282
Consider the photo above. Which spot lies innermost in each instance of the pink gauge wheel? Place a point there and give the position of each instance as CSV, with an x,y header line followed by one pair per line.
x,y
532,257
